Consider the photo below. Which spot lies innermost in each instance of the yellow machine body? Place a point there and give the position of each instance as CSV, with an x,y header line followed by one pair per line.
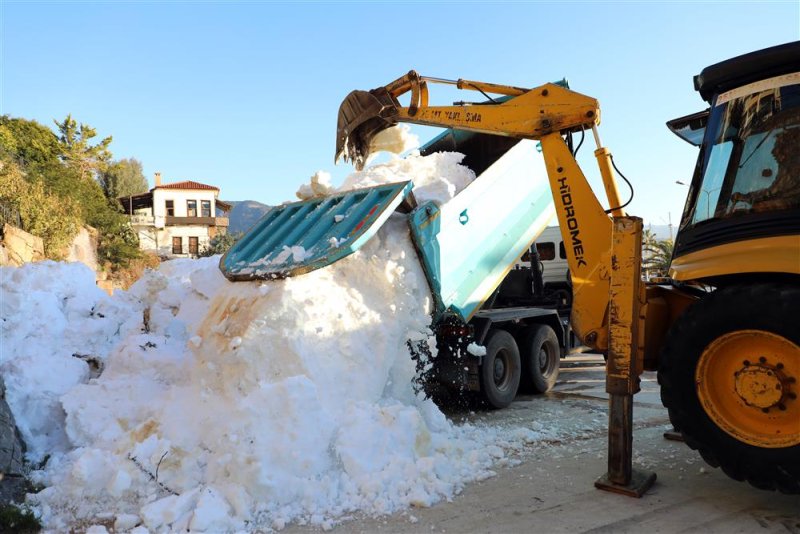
x,y
724,333
780,254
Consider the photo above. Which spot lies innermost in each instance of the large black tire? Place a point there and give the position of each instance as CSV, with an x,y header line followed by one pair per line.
x,y
541,357
753,432
501,370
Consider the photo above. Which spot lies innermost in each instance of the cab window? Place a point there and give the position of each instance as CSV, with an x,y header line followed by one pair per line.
x,y
547,251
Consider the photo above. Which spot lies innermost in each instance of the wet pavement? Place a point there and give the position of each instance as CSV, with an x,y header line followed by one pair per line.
x,y
551,489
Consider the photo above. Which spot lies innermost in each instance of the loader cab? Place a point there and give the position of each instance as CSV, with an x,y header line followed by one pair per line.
x,y
742,214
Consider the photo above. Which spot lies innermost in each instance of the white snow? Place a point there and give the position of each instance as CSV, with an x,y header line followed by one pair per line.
x,y
226,406
476,350
320,186
438,177
54,318
397,139
295,252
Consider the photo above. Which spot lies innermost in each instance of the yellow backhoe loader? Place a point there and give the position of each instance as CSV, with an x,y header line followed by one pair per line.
x,y
724,330
724,334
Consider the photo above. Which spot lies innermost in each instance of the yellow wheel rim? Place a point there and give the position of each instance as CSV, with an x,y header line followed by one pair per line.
x,y
748,382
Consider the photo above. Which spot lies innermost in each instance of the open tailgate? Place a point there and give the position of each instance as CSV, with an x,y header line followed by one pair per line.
x,y
300,237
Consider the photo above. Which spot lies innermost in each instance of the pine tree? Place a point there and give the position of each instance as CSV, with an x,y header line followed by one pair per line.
x,y
77,152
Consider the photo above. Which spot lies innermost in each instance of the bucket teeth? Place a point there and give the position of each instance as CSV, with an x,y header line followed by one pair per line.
x,y
361,116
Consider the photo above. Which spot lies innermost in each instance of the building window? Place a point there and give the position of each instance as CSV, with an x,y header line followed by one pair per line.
x,y
193,246
170,208
191,208
177,245
205,207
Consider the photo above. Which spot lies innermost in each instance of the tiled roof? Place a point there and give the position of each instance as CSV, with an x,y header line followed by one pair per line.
x,y
188,184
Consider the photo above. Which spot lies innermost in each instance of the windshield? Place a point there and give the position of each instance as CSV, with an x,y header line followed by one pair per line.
x,y
751,161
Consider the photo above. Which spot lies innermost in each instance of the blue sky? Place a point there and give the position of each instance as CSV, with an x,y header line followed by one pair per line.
x,y
244,95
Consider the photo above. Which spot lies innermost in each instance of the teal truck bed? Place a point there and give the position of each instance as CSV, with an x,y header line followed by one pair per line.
x,y
466,246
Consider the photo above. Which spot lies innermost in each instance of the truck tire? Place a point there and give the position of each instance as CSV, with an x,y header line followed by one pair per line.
x,y
541,357
501,370
730,378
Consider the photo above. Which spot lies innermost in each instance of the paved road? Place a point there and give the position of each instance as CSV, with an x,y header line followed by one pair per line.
x,y
551,490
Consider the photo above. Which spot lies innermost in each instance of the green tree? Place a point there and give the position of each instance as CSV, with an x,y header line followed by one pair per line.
x,y
77,151
54,219
117,243
657,255
219,244
8,144
35,149
123,178
61,173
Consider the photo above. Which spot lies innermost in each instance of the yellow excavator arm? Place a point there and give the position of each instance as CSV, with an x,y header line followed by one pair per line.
x,y
603,246
543,113
527,114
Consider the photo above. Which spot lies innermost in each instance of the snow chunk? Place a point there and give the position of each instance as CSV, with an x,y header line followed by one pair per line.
x,y
295,254
397,139
319,186
476,350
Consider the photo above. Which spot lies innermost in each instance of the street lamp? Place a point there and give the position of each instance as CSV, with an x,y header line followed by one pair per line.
x,y
708,196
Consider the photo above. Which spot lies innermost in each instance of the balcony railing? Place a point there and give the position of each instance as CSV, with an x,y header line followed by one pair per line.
x,y
148,220
203,221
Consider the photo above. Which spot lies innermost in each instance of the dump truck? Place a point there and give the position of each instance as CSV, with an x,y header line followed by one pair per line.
x,y
722,332
469,249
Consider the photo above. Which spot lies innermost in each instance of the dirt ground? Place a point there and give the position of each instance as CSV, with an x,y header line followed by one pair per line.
x,y
551,489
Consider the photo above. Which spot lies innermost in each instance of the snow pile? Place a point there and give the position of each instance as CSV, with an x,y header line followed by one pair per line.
x,y
439,176
246,406
56,325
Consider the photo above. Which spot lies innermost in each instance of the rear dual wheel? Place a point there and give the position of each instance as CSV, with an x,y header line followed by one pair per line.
x,y
730,373
541,357
501,369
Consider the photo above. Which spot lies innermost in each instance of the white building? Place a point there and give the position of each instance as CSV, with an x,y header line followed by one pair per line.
x,y
177,220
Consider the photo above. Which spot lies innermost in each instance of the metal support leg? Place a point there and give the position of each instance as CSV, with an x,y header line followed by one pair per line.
x,y
621,477
620,438
624,359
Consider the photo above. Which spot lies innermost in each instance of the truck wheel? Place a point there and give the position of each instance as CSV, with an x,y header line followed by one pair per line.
x,y
541,356
730,377
501,370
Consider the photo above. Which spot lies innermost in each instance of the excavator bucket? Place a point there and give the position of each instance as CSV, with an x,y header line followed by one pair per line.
x,y
362,115
300,237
